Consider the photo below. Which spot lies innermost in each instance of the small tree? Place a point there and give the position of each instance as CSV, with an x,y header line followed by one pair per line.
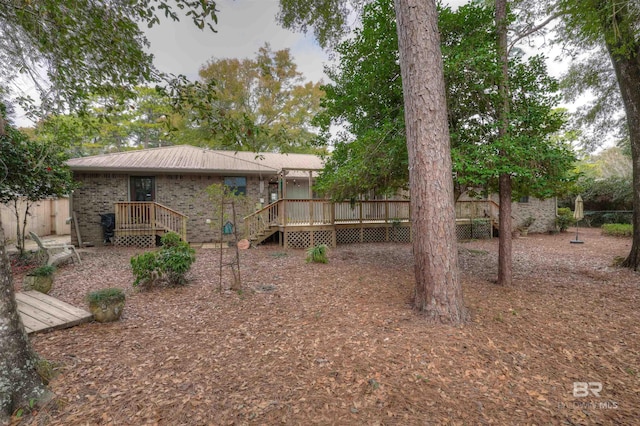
x,y
227,204
34,171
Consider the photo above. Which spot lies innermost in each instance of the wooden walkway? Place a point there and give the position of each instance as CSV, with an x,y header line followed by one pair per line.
x,y
40,312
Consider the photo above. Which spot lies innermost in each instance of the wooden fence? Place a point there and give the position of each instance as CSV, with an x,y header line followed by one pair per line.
x,y
48,217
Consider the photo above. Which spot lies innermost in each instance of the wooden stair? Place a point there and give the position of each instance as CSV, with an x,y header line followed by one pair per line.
x,y
259,237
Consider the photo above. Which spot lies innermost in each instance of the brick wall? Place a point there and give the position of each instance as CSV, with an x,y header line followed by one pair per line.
x,y
543,210
95,196
183,193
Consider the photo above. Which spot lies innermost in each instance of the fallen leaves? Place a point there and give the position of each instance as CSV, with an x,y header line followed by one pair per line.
x,y
341,345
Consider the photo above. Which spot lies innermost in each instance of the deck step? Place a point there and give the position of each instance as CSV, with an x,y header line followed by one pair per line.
x,y
40,312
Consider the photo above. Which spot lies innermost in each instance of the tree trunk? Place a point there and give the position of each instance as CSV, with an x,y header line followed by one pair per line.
x,y
627,69
438,291
505,265
19,381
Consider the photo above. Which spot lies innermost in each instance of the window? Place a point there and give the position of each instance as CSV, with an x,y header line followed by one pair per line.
x,y
524,199
143,188
237,184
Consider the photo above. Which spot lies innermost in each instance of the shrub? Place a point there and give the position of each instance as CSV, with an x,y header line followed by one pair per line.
x,y
317,254
528,222
170,263
106,295
564,219
42,271
617,229
145,267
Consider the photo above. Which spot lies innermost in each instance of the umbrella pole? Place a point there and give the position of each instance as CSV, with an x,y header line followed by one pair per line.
x,y
577,240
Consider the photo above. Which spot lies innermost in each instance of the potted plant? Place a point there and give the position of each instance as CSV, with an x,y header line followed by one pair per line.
x,y
107,304
40,279
524,228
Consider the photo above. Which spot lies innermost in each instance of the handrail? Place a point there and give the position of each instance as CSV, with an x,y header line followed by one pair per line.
x,y
310,212
171,210
148,216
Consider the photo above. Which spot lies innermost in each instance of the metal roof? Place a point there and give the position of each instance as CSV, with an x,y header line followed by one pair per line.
x,y
191,159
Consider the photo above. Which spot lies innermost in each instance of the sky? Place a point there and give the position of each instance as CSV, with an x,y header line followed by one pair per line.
x,y
243,27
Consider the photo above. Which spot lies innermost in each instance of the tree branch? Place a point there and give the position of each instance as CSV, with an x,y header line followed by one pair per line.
x,y
532,30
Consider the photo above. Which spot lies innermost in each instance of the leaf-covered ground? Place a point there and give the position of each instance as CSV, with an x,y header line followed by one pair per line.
x,y
340,344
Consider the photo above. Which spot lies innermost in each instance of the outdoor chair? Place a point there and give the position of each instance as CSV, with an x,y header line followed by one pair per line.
x,y
56,253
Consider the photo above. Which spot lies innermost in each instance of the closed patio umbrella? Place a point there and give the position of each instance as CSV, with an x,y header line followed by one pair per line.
x,y
578,215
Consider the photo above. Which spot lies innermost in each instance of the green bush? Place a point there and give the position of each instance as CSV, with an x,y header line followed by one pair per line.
x,y
145,268
106,295
42,271
564,219
617,229
169,264
317,254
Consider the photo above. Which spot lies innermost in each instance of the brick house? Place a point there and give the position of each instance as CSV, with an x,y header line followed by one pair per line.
x,y
155,190
176,177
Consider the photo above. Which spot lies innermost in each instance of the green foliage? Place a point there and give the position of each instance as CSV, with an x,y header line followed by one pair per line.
x,y
145,268
171,239
594,32
526,223
317,254
366,99
47,370
30,171
564,219
85,47
175,261
617,229
42,271
170,263
106,295
260,105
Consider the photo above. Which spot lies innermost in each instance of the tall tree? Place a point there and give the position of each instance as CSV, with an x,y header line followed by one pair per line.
x,y
505,264
84,47
614,24
438,290
366,99
261,104
19,380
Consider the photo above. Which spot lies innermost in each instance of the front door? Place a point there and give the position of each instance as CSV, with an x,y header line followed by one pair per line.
x,y
143,188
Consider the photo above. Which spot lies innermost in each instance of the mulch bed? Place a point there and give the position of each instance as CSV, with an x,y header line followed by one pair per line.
x,y
340,344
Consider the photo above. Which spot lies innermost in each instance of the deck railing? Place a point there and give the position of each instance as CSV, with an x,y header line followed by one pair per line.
x,y
135,217
478,209
263,219
301,212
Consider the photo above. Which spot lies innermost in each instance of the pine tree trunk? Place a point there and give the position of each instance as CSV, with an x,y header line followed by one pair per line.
x,y
627,69
19,382
438,291
505,264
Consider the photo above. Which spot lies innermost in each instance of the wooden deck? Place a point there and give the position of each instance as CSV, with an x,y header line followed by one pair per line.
x,y
305,223
40,312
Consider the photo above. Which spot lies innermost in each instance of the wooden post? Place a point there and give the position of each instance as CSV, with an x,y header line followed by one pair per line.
x,y
386,220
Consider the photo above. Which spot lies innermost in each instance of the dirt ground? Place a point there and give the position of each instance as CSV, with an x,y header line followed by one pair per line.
x,y
339,343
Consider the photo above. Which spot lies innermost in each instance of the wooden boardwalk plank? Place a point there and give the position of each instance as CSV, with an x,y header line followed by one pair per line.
x,y
40,312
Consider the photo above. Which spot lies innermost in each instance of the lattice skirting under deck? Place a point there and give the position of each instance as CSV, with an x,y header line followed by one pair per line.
x,y
398,234
306,239
477,231
135,240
